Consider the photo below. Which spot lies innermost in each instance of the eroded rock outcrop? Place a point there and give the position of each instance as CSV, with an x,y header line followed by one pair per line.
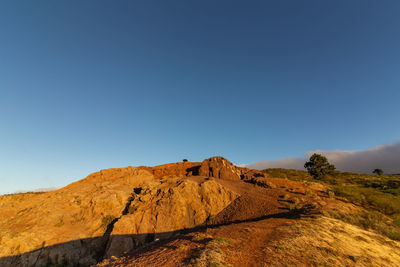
x,y
219,167
164,207
114,210
81,223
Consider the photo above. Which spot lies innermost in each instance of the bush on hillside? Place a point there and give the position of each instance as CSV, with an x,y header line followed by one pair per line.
x,y
319,167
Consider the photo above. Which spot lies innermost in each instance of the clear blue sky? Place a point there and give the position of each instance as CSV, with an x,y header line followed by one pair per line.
x,y
88,85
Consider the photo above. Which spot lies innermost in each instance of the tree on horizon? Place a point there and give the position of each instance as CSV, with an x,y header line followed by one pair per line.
x,y
378,171
318,166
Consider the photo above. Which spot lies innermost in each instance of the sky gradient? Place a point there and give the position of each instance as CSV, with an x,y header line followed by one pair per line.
x,y
89,85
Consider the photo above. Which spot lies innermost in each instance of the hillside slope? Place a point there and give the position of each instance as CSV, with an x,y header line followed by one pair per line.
x,y
183,214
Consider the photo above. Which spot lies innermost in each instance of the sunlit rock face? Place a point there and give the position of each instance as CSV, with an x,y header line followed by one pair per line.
x,y
162,208
219,167
107,213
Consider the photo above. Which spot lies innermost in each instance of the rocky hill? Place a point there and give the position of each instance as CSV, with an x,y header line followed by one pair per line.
x,y
188,213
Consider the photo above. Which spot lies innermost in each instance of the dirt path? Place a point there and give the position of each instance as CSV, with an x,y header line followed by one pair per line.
x,y
244,246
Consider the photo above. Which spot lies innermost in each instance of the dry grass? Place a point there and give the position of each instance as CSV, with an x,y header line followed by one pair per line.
x,y
330,242
211,255
371,220
379,195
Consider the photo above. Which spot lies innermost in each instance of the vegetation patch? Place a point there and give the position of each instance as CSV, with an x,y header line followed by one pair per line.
x,y
212,254
371,220
291,174
379,194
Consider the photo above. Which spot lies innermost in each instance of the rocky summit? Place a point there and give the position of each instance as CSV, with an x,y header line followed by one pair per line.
x,y
185,214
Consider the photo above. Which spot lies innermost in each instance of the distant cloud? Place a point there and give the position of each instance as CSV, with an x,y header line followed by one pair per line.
x,y
385,157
